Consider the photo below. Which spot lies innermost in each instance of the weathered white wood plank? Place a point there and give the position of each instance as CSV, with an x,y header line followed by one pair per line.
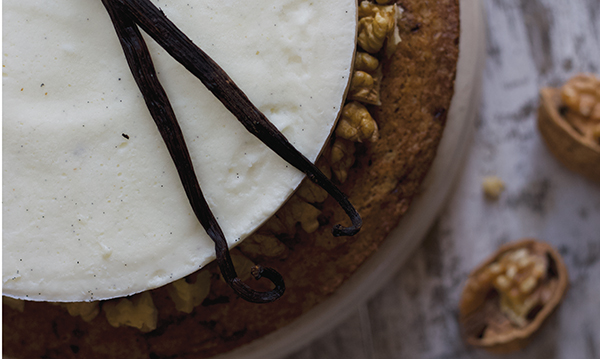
x,y
346,341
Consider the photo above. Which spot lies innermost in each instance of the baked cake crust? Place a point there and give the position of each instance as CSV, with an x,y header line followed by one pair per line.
x,y
415,93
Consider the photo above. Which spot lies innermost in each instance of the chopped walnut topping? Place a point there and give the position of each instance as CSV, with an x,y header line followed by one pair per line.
x,y
376,24
362,87
138,312
86,310
263,245
361,79
366,79
312,193
298,211
242,264
342,158
186,295
365,62
356,124
274,225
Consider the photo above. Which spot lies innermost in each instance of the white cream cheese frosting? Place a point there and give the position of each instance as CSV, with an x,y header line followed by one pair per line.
x,y
92,204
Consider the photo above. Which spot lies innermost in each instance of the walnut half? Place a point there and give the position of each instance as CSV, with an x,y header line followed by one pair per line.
x,y
356,124
508,297
569,122
366,79
376,24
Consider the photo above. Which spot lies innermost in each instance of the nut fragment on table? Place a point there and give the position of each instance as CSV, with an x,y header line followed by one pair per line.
x,y
492,186
508,297
569,122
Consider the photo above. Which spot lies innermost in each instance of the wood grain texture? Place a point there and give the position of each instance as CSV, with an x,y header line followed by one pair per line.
x,y
530,44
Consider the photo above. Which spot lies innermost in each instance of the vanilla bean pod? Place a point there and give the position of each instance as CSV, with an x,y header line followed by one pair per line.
x,y
141,65
153,21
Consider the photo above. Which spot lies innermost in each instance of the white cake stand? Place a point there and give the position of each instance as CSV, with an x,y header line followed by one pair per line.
x,y
404,239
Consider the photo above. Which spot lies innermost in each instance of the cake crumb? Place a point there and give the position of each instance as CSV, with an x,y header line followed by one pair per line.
x,y
492,186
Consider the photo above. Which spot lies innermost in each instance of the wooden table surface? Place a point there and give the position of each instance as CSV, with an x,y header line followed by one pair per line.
x,y
530,44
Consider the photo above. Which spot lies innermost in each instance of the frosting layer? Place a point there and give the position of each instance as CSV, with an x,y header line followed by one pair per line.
x,y
93,207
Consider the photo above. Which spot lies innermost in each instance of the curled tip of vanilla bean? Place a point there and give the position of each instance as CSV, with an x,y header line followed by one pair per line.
x,y
339,230
229,274
254,296
258,272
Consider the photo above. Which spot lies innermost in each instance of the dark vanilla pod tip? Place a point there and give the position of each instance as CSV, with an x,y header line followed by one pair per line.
x,y
230,276
253,296
340,231
126,16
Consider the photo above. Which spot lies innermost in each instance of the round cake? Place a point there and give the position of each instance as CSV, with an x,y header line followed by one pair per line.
x,y
380,172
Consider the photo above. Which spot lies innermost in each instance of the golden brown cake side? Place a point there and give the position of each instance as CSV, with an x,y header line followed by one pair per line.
x,y
416,92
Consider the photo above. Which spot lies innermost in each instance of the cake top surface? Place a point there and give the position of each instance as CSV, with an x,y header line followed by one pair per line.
x,y
93,207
